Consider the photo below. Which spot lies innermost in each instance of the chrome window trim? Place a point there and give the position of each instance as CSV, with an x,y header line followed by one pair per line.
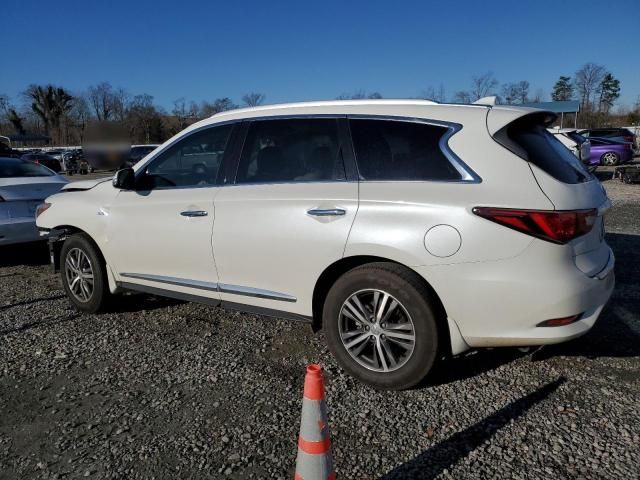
x,y
467,173
213,287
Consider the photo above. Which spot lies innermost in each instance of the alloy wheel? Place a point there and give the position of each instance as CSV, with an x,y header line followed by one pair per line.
x,y
79,274
376,330
609,158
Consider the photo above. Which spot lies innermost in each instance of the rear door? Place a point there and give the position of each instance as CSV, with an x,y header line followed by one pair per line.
x,y
288,214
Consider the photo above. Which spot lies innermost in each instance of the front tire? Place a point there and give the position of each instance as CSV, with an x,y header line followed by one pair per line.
x,y
83,273
380,325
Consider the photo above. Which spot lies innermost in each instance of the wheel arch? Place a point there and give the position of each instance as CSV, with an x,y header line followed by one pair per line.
x,y
328,277
62,232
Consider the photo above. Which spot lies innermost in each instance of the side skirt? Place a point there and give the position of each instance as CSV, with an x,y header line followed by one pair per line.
x,y
267,312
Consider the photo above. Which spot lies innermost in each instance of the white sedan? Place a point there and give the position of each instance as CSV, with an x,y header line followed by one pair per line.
x,y
23,186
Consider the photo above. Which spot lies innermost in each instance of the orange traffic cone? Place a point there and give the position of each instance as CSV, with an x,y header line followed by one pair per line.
x,y
314,445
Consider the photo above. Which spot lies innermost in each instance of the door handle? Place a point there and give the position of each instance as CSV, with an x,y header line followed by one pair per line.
x,y
194,213
326,212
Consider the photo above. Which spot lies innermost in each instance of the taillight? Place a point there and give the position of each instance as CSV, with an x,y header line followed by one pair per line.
x,y
553,226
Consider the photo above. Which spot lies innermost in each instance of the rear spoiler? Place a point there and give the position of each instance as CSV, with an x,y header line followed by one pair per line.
x,y
500,116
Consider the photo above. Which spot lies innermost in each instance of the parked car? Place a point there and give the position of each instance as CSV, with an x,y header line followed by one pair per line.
x,y
580,146
617,134
610,152
23,186
138,152
43,159
407,230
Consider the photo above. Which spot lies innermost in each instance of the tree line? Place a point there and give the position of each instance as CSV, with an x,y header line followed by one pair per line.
x,y
66,117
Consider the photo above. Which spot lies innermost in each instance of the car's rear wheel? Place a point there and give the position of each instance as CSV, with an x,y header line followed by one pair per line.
x,y
610,158
83,272
381,325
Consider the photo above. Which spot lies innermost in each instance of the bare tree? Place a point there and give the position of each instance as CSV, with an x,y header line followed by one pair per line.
x,y
101,98
16,120
462,96
509,93
437,95
359,95
586,82
253,99
483,85
539,96
219,105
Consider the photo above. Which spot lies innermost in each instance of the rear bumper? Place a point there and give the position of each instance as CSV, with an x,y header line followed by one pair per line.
x,y
19,230
501,303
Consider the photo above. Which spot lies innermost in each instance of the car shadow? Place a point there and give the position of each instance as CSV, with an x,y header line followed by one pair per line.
x,y
30,302
34,253
135,302
31,325
433,461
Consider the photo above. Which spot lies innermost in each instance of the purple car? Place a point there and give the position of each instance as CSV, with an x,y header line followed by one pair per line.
x,y
609,152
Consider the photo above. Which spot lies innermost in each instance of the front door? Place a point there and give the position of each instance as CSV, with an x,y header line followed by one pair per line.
x,y
160,233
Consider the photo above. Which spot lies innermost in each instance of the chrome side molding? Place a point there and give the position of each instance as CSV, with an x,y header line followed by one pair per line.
x,y
213,287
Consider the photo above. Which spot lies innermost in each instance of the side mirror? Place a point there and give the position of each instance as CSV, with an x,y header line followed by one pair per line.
x,y
125,179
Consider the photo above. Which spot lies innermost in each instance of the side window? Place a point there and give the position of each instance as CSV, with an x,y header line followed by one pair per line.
x,y
396,150
192,161
291,150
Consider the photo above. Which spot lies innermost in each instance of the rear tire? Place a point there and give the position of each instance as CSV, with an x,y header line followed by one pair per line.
x,y
400,342
84,274
610,159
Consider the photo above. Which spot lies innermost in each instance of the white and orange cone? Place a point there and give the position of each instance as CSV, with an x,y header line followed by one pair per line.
x,y
314,460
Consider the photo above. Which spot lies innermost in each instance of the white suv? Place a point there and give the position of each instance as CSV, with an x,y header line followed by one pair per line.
x,y
407,230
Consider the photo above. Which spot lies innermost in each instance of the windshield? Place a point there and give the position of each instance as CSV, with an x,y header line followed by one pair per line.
x,y
11,168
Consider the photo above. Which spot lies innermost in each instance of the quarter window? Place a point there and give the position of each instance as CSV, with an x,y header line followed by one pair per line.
x,y
291,150
396,150
192,161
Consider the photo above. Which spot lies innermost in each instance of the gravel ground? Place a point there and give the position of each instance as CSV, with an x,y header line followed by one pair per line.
x,y
164,389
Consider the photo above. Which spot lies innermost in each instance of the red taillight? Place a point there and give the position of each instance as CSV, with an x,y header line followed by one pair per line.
x,y
553,226
560,322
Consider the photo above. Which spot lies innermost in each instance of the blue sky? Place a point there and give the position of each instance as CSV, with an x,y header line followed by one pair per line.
x,y
303,50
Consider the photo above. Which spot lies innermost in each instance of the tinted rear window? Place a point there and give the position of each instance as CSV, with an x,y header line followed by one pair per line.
x,y
529,138
396,150
10,168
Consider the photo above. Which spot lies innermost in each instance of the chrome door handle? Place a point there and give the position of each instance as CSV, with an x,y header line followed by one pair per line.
x,y
326,212
194,213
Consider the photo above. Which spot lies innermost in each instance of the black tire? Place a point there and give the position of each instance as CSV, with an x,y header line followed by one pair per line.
x,y
408,289
100,294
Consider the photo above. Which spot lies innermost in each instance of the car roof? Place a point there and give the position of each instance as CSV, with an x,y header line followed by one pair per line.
x,y
411,108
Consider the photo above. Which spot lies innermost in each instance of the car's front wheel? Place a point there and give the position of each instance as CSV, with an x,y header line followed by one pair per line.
x,y
381,326
83,272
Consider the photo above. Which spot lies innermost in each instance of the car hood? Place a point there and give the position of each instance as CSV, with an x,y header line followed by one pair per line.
x,y
85,184
31,188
